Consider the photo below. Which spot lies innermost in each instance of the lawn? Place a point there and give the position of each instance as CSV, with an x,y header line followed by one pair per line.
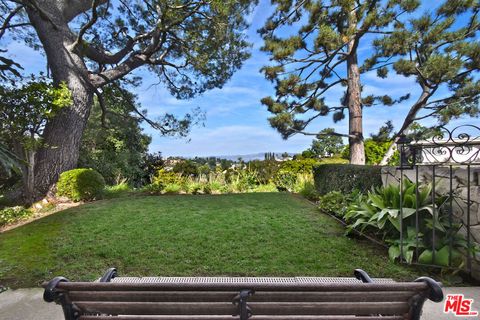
x,y
274,234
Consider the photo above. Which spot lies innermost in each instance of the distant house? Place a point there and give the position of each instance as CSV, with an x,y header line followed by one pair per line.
x,y
170,162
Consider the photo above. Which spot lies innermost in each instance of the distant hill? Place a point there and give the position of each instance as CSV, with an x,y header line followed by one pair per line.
x,y
250,157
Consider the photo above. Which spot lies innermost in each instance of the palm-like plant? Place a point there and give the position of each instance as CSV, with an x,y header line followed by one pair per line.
x,y
8,161
387,211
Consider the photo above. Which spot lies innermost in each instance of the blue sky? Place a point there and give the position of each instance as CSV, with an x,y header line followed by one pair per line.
x,y
236,122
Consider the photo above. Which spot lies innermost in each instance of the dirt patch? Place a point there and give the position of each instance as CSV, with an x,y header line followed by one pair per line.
x,y
39,214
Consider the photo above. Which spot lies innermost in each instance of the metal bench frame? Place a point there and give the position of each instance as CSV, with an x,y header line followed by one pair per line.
x,y
57,290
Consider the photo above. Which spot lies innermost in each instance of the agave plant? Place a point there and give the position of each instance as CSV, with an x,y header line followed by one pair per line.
x,y
385,211
381,209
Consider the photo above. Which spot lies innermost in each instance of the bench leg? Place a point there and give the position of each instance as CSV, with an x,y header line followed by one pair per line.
x,y
241,300
434,294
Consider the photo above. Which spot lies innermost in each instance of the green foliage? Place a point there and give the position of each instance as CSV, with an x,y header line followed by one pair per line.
x,y
304,166
8,162
440,50
81,184
336,203
326,144
25,110
311,59
172,188
306,187
346,178
186,168
13,214
285,180
375,151
117,191
384,133
333,160
265,169
164,178
152,162
114,144
386,211
243,180
271,187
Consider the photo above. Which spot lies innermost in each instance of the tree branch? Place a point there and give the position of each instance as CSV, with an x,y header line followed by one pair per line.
x,y
86,26
6,22
72,9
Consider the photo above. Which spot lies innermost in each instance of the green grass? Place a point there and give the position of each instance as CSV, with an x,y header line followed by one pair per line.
x,y
262,234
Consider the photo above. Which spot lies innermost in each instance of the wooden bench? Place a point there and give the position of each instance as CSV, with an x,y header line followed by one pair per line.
x,y
231,298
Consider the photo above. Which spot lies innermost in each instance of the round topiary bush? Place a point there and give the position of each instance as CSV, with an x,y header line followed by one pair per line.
x,y
81,184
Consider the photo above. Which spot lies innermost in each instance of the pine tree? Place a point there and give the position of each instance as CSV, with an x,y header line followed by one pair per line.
x,y
440,49
320,57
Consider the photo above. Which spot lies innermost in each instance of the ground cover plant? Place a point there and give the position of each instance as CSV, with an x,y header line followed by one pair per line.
x,y
262,234
377,213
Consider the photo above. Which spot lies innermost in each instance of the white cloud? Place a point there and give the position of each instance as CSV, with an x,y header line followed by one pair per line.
x,y
234,139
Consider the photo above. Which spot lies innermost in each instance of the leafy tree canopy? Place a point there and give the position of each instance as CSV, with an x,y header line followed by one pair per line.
x,y
327,144
192,45
115,145
24,111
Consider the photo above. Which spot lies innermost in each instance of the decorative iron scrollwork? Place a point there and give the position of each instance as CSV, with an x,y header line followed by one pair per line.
x,y
461,146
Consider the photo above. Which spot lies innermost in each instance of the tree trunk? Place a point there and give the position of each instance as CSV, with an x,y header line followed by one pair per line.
x,y
62,135
29,177
390,152
355,130
409,119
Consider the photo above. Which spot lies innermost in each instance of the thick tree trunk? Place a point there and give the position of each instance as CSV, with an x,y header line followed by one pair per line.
x,y
355,129
62,135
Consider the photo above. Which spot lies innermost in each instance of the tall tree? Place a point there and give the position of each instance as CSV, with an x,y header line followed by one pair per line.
x,y
321,57
24,113
117,147
441,51
191,45
326,144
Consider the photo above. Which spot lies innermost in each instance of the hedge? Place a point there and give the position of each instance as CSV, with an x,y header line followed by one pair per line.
x,y
346,178
81,184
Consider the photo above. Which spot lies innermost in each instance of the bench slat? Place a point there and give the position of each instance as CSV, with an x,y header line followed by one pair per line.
x,y
360,287
258,308
329,308
290,280
139,317
262,296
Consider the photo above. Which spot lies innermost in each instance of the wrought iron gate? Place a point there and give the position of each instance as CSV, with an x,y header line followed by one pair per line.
x,y
438,232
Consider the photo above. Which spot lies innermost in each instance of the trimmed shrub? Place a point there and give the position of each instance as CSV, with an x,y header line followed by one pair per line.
x,y
346,178
303,166
81,184
13,214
